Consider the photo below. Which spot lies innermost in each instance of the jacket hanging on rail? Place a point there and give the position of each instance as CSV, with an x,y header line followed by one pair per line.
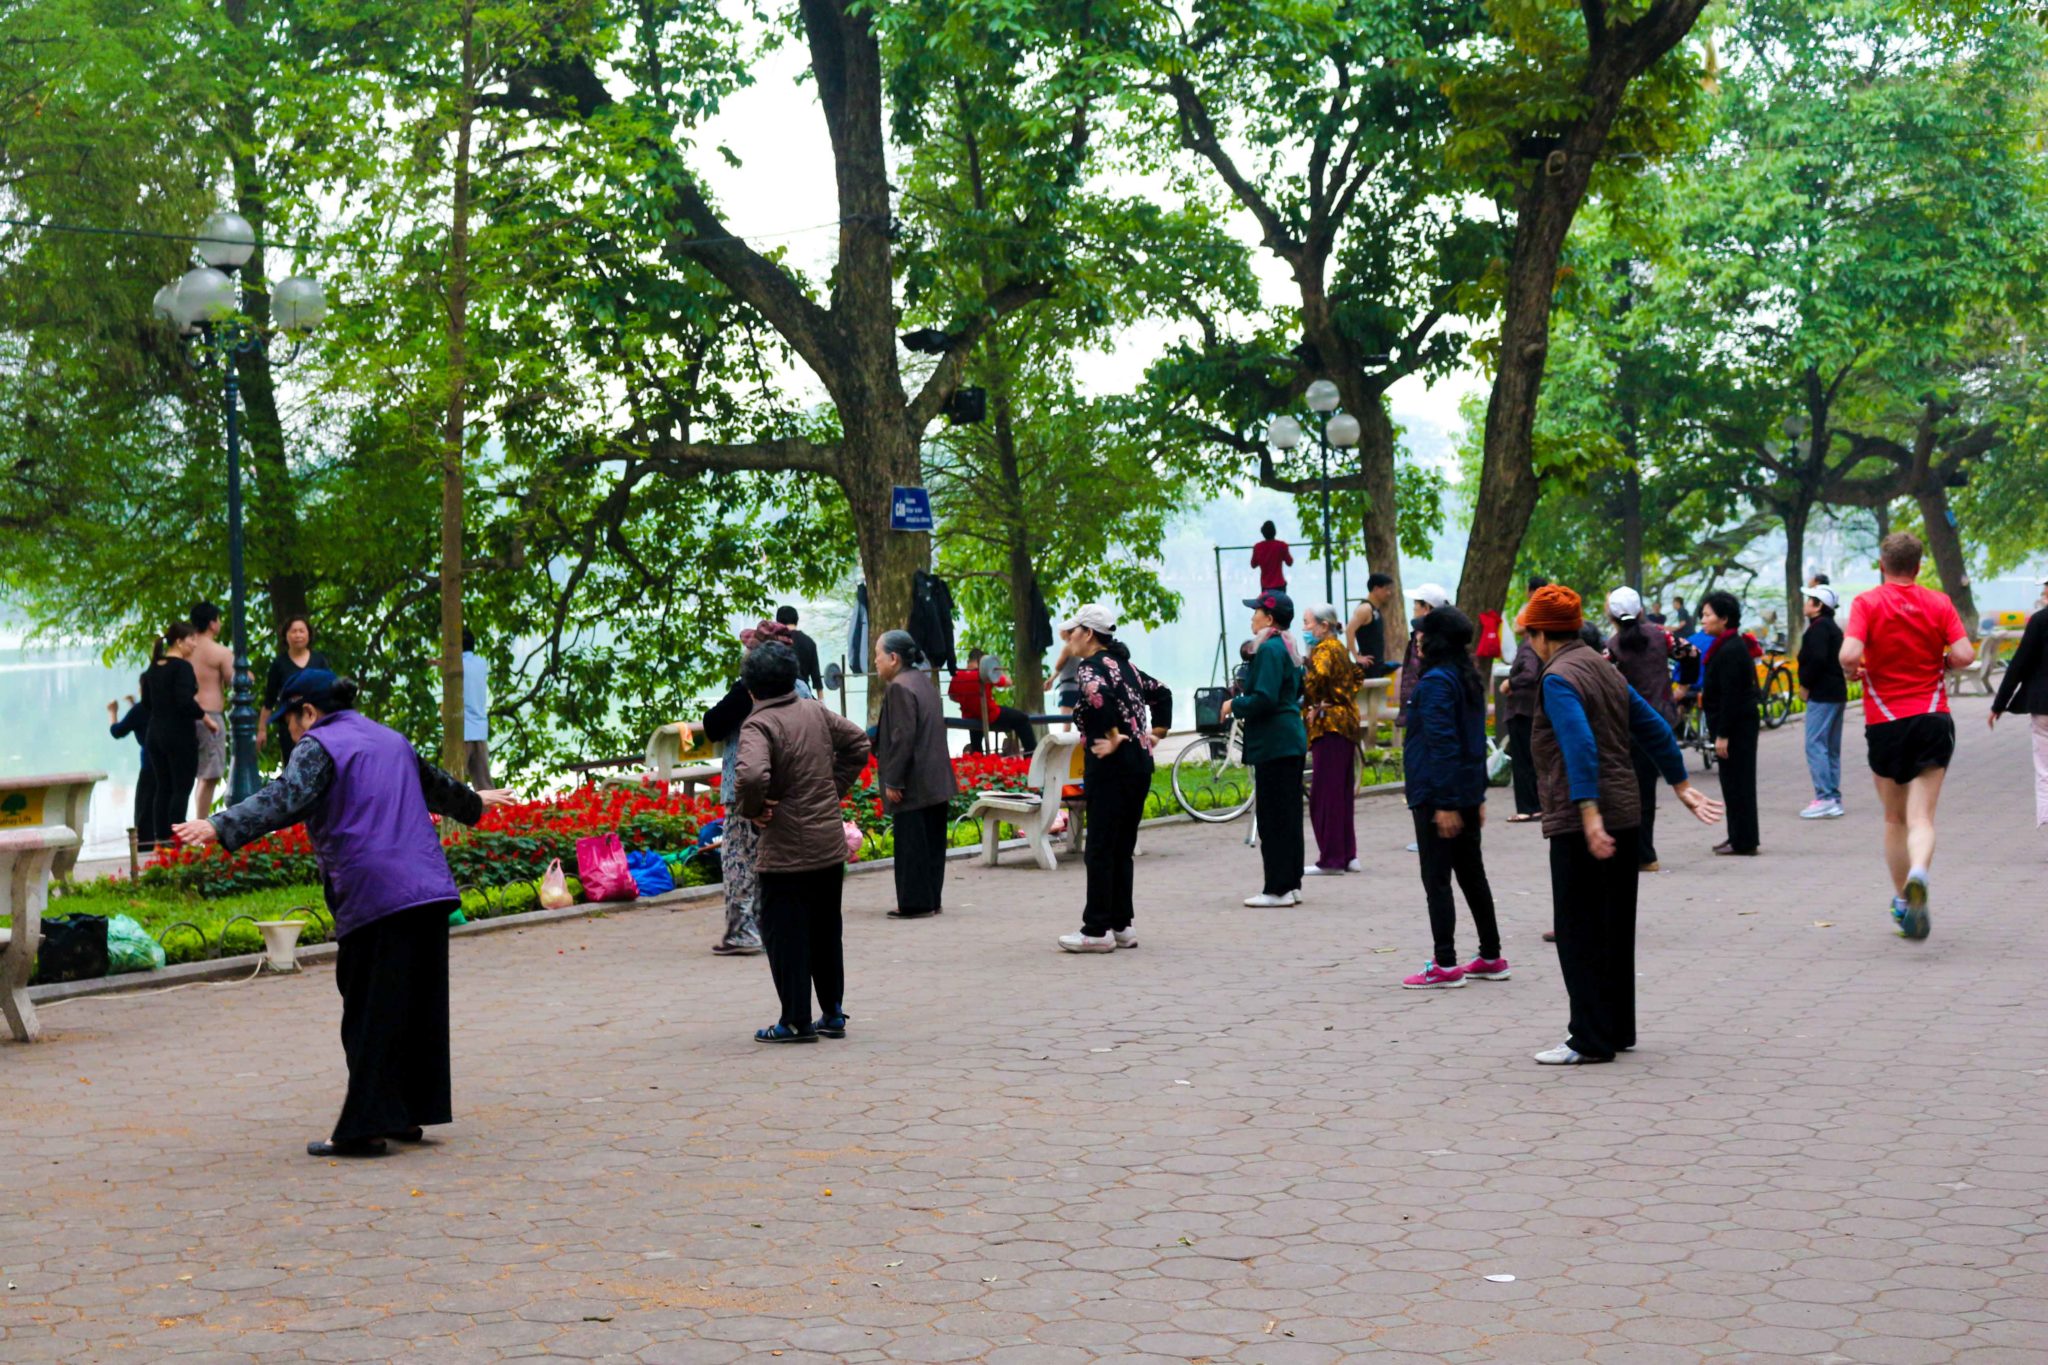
x,y
1040,622
858,650
931,619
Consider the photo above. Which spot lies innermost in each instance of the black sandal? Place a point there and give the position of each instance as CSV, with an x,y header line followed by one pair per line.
x,y
347,1147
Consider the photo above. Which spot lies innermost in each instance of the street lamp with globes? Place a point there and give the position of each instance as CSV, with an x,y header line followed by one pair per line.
x,y
1333,428
205,305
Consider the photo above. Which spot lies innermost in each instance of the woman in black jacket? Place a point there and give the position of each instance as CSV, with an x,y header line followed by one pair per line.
x,y
1730,699
170,690
136,723
2026,686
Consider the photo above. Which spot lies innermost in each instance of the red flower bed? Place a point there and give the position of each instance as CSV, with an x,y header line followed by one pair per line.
x,y
516,843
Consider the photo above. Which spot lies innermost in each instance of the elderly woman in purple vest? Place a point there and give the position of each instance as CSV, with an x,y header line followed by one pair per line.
x,y
366,798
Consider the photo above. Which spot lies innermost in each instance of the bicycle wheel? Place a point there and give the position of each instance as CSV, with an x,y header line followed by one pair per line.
x,y
1777,699
1207,784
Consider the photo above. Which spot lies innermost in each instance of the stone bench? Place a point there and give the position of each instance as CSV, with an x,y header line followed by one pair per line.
x,y
1033,812
26,858
50,799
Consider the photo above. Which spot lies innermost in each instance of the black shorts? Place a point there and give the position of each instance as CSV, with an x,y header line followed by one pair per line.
x,y
1903,749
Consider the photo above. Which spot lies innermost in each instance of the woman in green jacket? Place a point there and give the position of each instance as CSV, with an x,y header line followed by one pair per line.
x,y
1275,745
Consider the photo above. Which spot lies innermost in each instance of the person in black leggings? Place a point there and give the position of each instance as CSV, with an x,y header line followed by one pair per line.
x,y
170,689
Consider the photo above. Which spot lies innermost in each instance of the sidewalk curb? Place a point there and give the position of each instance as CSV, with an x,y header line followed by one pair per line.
x,y
248,966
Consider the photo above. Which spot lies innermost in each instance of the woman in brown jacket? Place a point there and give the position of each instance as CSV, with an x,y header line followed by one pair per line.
x,y
797,761
917,778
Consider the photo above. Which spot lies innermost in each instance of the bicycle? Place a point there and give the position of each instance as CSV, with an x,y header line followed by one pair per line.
x,y
1776,686
1692,731
1212,764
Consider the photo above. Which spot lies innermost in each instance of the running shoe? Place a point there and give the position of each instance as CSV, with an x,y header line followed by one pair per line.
x,y
1486,969
1125,938
1563,1055
1913,920
1087,943
1432,977
1264,900
1313,870
1834,811
1817,810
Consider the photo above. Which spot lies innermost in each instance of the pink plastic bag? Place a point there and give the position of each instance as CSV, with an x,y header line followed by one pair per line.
x,y
554,888
601,867
853,841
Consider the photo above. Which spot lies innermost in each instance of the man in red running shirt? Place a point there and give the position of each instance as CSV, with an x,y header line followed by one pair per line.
x,y
1902,639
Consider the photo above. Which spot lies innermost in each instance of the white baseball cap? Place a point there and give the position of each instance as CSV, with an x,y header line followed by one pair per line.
x,y
1431,593
1824,595
1093,615
1625,604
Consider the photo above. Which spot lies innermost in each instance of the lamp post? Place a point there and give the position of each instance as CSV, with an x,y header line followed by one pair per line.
x,y
1332,428
205,306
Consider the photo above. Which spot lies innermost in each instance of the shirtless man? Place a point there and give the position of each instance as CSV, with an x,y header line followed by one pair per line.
x,y
214,662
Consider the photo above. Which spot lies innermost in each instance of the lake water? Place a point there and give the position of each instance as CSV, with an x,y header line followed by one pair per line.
x,y
53,718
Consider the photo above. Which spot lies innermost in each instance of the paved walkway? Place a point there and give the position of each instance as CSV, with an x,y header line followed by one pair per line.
x,y
1239,1143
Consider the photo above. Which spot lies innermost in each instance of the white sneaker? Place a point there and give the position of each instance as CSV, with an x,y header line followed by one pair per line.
x,y
1083,943
1313,871
1561,1055
1125,938
1263,901
1354,866
1414,848
1834,811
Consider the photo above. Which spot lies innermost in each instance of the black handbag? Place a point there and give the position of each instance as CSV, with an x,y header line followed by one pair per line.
x,y
73,948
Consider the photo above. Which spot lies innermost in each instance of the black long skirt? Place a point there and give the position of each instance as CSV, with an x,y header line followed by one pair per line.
x,y
393,978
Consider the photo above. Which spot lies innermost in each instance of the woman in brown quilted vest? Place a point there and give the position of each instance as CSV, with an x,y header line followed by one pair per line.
x,y
1586,718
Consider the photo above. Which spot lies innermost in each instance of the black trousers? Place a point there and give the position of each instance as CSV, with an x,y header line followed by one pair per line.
x,y
1007,718
1738,790
1117,788
1522,761
1593,909
800,927
1647,781
145,807
1443,859
920,857
176,769
393,978
1277,808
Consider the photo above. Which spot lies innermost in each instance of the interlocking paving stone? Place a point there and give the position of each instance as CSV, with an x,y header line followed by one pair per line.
x,y
1239,1143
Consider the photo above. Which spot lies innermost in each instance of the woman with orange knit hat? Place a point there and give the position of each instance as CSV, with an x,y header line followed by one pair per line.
x,y
1586,718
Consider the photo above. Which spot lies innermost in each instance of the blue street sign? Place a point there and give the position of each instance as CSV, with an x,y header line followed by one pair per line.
x,y
910,509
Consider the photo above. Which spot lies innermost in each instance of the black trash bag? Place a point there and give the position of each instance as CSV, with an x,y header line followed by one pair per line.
x,y
73,948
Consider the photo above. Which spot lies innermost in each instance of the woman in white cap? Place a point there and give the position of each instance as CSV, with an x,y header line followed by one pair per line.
x,y
1643,651
1116,725
1826,690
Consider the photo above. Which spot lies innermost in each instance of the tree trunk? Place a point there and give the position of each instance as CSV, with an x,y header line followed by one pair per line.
x,y
1506,496
1632,505
453,433
1027,666
888,559
1797,515
272,504
1382,519
1946,544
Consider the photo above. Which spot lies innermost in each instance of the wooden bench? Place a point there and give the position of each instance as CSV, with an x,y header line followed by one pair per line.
x,y
1035,811
50,799
26,857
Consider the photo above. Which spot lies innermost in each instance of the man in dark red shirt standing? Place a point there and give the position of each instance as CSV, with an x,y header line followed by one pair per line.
x,y
1901,641
1270,557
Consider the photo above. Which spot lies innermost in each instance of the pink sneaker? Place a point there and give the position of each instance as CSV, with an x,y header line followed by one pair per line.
x,y
1487,969
1432,977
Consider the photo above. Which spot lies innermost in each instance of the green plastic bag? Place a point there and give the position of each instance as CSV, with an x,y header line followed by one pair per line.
x,y
456,919
130,948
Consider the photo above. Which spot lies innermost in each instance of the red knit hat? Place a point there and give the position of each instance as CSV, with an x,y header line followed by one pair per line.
x,y
1554,610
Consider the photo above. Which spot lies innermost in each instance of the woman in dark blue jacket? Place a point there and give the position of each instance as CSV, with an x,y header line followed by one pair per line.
x,y
1445,768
